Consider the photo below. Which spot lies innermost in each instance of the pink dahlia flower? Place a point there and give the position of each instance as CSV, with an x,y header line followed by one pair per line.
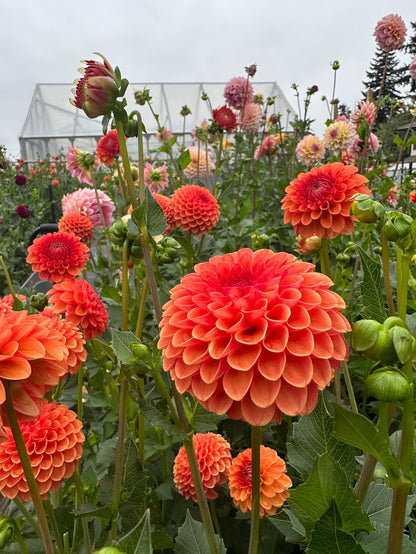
x,y
357,149
84,201
238,92
365,110
390,32
156,178
80,164
201,164
268,147
251,118
412,68
310,150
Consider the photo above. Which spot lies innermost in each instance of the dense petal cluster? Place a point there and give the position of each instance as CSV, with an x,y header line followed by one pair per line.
x,y
213,454
163,135
23,211
339,135
96,91
108,148
201,164
225,118
310,150
195,209
274,482
253,334
156,178
6,303
390,32
84,201
78,224
58,256
366,110
319,202
359,150
166,205
238,92
268,147
251,118
80,164
54,443
80,303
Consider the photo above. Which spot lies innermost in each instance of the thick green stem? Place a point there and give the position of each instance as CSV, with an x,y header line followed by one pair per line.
x,y
366,475
403,263
385,257
28,471
256,439
398,512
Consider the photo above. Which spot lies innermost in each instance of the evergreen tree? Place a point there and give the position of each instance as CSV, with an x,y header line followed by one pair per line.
x,y
410,48
385,78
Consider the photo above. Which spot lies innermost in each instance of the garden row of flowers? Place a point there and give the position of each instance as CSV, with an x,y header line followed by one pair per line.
x,y
216,351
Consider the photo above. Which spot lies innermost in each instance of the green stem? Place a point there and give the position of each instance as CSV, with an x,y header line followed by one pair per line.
x,y
52,518
142,304
27,515
28,471
385,257
350,388
7,275
366,475
80,500
217,169
403,263
324,253
256,439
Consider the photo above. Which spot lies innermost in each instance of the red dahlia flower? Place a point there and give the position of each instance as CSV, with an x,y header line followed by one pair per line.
x,y
273,481
195,209
23,211
108,148
96,91
54,443
319,202
58,256
225,118
78,224
253,334
213,454
80,303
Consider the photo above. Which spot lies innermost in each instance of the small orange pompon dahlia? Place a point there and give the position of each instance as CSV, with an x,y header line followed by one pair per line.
x,y
213,454
194,209
274,482
80,303
78,224
253,334
318,202
54,443
58,256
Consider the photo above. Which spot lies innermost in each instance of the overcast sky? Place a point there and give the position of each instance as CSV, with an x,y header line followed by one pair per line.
x,y
292,41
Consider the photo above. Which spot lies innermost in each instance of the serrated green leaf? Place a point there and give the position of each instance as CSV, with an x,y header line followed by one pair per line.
x,y
289,525
184,159
358,431
158,418
191,538
312,437
121,344
327,483
204,421
138,540
372,295
156,219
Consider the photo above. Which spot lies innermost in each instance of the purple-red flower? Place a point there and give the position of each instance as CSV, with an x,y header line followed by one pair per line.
x,y
238,92
224,118
20,179
23,211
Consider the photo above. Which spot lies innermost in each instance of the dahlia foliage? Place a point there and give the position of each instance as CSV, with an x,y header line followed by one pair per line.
x,y
217,329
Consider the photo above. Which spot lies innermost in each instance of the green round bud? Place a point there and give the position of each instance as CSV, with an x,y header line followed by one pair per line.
x,y
139,350
108,550
396,226
39,301
388,385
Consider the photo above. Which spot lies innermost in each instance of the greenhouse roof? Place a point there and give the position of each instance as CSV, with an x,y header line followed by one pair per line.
x,y
53,124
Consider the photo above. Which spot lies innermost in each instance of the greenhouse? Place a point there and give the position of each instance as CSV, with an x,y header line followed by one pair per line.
x,y
53,124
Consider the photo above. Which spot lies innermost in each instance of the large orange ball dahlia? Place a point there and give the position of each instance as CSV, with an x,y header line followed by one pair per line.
x,y
194,209
78,224
213,454
273,481
319,202
80,303
254,334
58,256
54,443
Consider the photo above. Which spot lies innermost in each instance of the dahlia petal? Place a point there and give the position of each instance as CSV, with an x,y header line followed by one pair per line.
x,y
320,320
340,347
339,322
280,313
237,383
218,403
202,390
253,334
210,370
201,332
298,370
263,392
291,400
183,385
15,368
311,399
299,317
194,353
276,339
271,364
245,357
323,346
255,415
230,324
181,337
300,343
220,347
326,220
183,370
322,372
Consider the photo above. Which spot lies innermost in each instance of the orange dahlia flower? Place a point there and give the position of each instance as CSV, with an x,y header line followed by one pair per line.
x,y
80,303
253,334
6,303
166,205
108,148
58,256
319,202
78,224
54,443
195,209
214,459
273,481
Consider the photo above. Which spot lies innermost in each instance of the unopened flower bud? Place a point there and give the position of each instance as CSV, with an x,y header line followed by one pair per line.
x,y
142,96
7,525
311,90
366,210
251,70
39,301
388,384
139,350
308,246
335,65
185,110
204,96
396,226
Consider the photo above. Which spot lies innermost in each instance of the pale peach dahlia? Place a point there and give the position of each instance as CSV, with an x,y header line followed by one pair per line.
x,y
390,32
253,334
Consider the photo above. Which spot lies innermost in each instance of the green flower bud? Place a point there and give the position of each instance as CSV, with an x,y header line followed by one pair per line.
x,y
109,550
388,385
118,232
139,350
39,301
396,226
366,209
371,339
7,525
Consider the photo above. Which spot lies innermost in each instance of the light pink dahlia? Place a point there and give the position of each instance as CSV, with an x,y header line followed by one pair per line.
x,y
81,164
251,118
156,178
412,68
357,149
390,32
366,110
84,201
339,135
238,92
310,150
201,164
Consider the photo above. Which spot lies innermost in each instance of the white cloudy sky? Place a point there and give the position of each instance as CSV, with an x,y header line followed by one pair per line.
x,y
292,41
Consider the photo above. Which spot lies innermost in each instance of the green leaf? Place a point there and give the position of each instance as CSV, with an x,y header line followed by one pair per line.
x,y
111,292
191,538
328,538
372,297
204,421
139,216
156,219
399,141
327,483
138,540
184,159
157,418
289,525
358,431
121,344
312,437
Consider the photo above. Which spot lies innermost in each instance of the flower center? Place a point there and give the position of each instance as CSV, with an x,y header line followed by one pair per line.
x,y
245,475
318,191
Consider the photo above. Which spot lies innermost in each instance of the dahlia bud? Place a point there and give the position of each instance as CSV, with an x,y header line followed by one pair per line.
x,y
258,99
260,240
142,96
396,226
388,384
204,96
167,250
367,210
39,301
7,525
109,550
118,232
335,65
311,90
185,110
251,70
271,100
139,350
308,246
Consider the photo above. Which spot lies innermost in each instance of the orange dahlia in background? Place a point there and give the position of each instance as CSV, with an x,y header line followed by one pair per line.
x,y
108,148
213,454
54,443
319,202
194,209
254,334
166,205
78,224
273,481
80,303
6,303
58,256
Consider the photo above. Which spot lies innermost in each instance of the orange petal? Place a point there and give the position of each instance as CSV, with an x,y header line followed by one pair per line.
x,y
298,370
299,317
237,383
291,400
15,368
220,347
218,403
183,370
202,391
253,334
341,351
320,320
210,370
322,372
258,416
271,364
300,343
263,392
276,339
245,357
323,347
195,352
